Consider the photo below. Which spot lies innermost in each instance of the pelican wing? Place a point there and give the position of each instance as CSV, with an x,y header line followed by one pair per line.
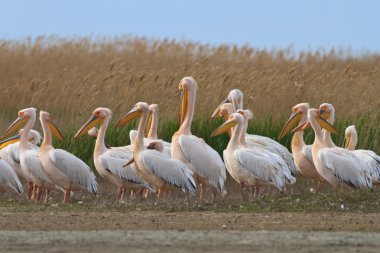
x,y
74,168
9,177
346,166
205,160
275,147
171,171
31,162
113,160
372,160
307,153
263,166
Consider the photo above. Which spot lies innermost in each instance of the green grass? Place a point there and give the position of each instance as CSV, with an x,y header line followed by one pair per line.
x,y
367,127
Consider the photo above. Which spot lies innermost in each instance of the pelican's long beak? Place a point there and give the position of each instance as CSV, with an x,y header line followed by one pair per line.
x,y
54,130
9,141
148,124
301,127
91,122
130,162
133,114
218,108
223,128
15,126
347,141
184,105
294,118
326,125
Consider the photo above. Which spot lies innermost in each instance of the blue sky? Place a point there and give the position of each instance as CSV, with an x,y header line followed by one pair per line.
x,y
303,24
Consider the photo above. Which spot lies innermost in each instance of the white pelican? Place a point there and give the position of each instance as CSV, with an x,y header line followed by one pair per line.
x,y
109,161
338,166
150,132
302,153
9,177
205,162
251,166
235,97
63,168
29,155
154,167
367,156
9,151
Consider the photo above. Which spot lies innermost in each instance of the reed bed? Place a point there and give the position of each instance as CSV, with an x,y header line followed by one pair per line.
x,y
70,77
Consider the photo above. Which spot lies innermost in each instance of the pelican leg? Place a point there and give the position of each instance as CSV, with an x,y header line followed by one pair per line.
x,y
30,191
201,191
38,193
132,193
256,191
146,193
119,194
66,196
160,193
122,195
47,193
242,191
34,192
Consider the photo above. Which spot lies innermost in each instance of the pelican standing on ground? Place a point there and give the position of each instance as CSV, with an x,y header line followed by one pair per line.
x,y
10,151
338,166
302,153
251,166
206,164
8,177
368,157
109,161
154,167
29,155
235,97
63,168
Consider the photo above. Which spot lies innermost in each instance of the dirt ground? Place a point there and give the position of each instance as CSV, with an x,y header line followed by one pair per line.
x,y
148,220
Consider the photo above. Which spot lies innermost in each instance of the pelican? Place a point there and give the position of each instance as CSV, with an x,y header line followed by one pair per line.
x,y
251,166
367,156
10,151
109,161
154,167
29,155
206,164
63,168
151,131
8,177
235,97
338,166
302,153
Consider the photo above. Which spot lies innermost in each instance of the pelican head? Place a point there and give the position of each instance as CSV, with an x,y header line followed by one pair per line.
x,y
327,111
187,86
97,118
298,111
157,145
351,137
46,117
23,117
234,119
139,109
235,97
323,123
